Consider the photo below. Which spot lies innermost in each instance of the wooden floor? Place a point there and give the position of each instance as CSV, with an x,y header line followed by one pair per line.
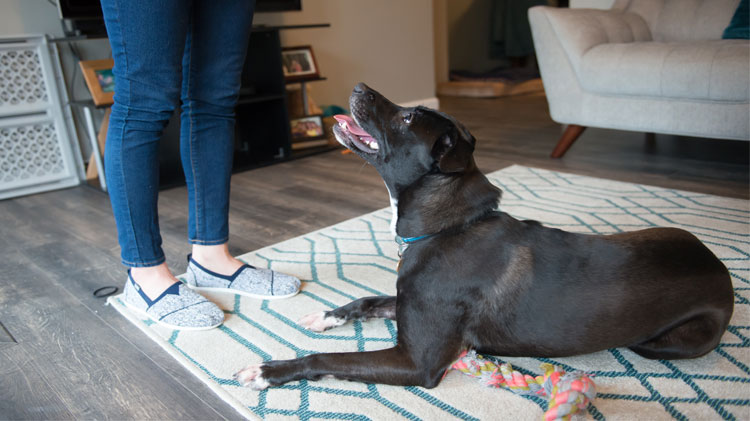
x,y
64,355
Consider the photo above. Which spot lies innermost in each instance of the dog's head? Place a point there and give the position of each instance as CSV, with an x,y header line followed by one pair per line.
x,y
403,144
425,159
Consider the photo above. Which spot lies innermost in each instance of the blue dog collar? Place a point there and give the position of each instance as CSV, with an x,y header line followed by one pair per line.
x,y
409,240
403,242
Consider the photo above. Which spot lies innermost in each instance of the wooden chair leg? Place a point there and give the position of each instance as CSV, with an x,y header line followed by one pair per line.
x,y
92,173
566,140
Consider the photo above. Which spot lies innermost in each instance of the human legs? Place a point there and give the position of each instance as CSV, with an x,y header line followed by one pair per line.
x,y
155,46
147,40
211,69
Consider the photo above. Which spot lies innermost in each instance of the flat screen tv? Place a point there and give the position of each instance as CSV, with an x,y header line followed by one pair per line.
x,y
79,9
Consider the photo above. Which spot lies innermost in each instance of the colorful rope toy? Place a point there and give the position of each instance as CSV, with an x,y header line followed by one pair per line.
x,y
568,393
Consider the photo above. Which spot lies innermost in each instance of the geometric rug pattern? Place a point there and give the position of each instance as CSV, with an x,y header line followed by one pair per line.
x,y
357,258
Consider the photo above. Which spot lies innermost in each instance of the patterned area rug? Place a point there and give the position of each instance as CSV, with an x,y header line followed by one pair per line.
x,y
357,258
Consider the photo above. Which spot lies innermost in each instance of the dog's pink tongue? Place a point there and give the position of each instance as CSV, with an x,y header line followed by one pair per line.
x,y
351,125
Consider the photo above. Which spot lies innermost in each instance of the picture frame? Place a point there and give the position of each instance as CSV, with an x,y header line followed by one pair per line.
x,y
307,128
299,63
100,80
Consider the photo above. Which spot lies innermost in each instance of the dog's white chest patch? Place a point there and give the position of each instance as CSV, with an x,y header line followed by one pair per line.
x,y
394,210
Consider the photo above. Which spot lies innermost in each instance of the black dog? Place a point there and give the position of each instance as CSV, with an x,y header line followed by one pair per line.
x,y
474,277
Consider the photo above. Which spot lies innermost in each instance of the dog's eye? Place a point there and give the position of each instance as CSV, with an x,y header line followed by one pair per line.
x,y
407,118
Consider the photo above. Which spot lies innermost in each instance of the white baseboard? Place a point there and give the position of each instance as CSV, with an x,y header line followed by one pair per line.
x,y
433,103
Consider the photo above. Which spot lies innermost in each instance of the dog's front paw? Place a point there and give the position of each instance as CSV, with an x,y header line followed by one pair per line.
x,y
318,322
252,377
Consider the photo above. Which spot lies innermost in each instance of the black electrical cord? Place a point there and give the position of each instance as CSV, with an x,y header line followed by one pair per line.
x,y
105,291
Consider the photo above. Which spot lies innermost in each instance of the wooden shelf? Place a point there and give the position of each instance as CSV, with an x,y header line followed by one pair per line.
x,y
301,153
285,27
252,99
315,79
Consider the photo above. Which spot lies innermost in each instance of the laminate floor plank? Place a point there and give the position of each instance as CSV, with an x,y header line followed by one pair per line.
x,y
194,390
69,364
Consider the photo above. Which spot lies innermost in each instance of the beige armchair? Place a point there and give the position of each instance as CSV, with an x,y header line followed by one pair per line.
x,y
645,65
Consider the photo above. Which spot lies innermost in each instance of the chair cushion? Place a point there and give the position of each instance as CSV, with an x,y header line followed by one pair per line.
x,y
707,70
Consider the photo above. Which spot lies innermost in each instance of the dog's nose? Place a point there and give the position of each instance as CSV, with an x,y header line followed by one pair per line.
x,y
360,88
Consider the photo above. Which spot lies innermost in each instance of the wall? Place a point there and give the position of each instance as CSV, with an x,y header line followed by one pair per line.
x,y
387,44
440,39
28,16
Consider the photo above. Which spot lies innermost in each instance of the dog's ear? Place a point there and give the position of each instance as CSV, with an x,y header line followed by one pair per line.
x,y
452,152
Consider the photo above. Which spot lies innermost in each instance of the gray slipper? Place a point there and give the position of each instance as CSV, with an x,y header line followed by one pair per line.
x,y
176,308
247,280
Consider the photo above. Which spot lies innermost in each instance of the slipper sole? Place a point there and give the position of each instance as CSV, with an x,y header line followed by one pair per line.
x,y
167,325
243,293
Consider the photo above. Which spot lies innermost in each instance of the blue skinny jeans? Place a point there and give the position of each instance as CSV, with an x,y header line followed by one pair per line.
x,y
166,51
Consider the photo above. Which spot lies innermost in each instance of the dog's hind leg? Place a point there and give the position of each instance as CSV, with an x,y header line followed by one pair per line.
x,y
690,339
362,309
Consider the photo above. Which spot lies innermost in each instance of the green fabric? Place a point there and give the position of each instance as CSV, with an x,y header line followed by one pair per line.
x,y
739,27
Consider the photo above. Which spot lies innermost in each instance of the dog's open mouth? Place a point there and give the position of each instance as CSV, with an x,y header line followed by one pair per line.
x,y
352,134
